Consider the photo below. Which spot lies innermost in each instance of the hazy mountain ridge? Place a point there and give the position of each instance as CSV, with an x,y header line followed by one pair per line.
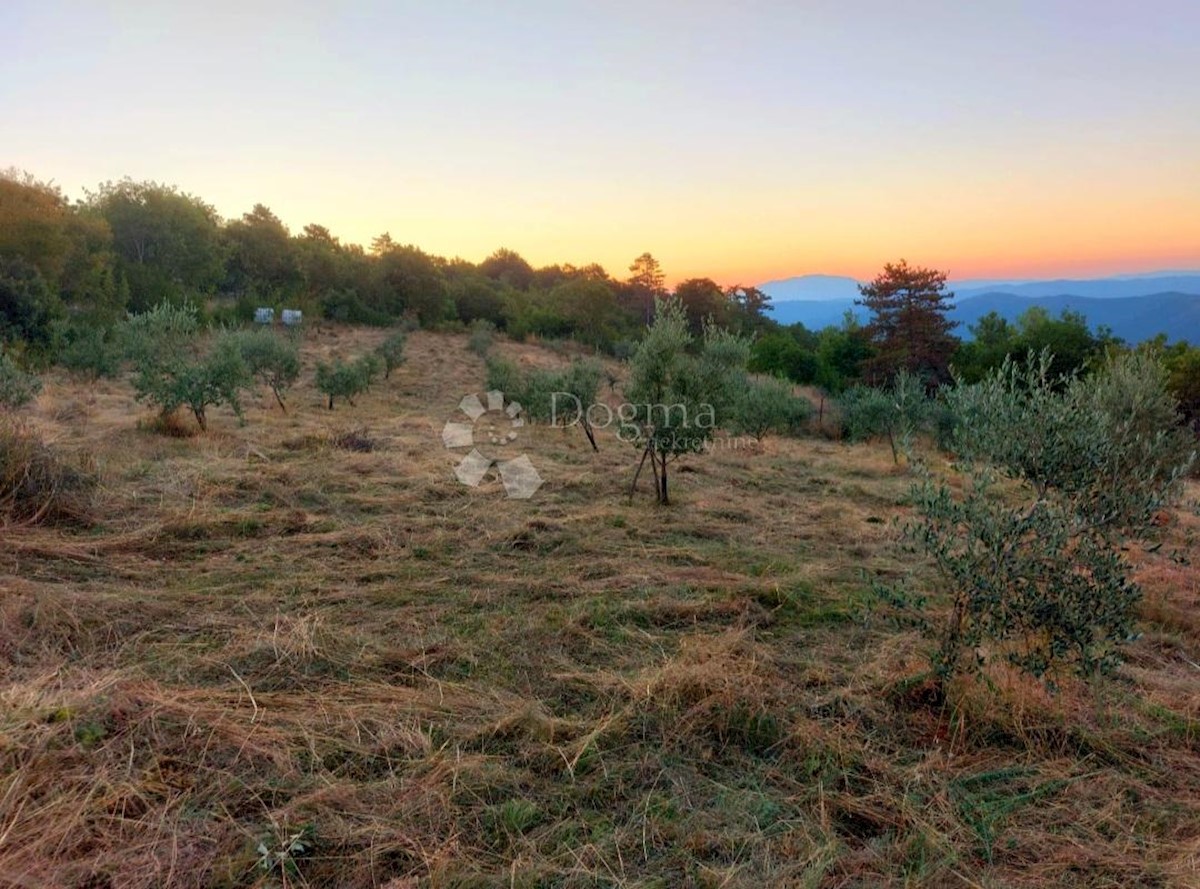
x,y
1136,308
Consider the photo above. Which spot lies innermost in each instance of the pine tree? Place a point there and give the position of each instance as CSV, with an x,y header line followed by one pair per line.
x,y
909,327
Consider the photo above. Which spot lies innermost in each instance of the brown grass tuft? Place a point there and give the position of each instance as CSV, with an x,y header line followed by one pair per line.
x,y
36,484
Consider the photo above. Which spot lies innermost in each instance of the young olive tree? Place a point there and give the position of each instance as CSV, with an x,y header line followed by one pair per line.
x,y
391,352
1035,573
764,405
896,412
272,359
678,398
172,370
347,379
561,397
564,396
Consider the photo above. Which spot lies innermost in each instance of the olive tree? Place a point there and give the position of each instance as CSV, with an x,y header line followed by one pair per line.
x,y
1059,474
346,379
763,405
556,396
391,352
172,369
678,397
272,359
896,412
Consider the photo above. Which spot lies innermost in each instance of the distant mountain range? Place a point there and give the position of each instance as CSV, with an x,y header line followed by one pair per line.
x,y
1136,307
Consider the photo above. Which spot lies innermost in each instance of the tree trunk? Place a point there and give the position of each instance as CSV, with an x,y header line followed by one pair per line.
x,y
665,500
200,418
657,478
591,436
641,463
331,402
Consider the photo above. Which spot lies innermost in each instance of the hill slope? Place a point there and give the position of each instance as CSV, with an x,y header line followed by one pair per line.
x,y
263,637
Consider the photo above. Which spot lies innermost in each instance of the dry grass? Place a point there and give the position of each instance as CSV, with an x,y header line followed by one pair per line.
x,y
264,637
36,484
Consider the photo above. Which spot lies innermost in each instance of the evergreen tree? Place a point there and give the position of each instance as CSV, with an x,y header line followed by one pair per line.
x,y
909,327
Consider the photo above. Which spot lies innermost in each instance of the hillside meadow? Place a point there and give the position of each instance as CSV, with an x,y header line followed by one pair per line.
x,y
299,653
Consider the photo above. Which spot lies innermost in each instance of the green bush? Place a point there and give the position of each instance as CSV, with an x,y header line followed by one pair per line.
x,y
765,405
17,388
87,350
561,396
483,334
504,376
391,352
272,359
343,379
1036,574
369,367
897,412
172,371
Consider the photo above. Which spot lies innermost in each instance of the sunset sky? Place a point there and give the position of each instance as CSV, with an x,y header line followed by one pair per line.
x,y
742,141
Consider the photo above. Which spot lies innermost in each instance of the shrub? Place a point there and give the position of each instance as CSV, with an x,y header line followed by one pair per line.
x,y
1036,574
369,367
17,388
482,336
88,350
173,372
504,376
391,352
272,359
343,379
897,412
766,405
1108,443
563,397
35,484
558,396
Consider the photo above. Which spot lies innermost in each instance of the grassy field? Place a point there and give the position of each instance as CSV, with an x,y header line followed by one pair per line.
x,y
271,661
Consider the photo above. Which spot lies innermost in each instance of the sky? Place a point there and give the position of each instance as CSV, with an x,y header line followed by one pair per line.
x,y
743,141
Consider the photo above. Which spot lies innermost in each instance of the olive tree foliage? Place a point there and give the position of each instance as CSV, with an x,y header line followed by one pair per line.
x,y
391,351
678,397
765,405
272,359
896,412
1058,475
483,333
17,388
558,396
347,379
173,370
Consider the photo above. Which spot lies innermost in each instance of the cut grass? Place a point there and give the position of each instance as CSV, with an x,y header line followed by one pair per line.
x,y
263,637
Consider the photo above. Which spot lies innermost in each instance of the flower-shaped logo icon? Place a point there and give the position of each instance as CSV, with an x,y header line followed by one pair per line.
x,y
493,426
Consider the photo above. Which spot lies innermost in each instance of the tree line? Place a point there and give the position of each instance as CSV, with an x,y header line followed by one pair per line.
x,y
69,268
129,246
